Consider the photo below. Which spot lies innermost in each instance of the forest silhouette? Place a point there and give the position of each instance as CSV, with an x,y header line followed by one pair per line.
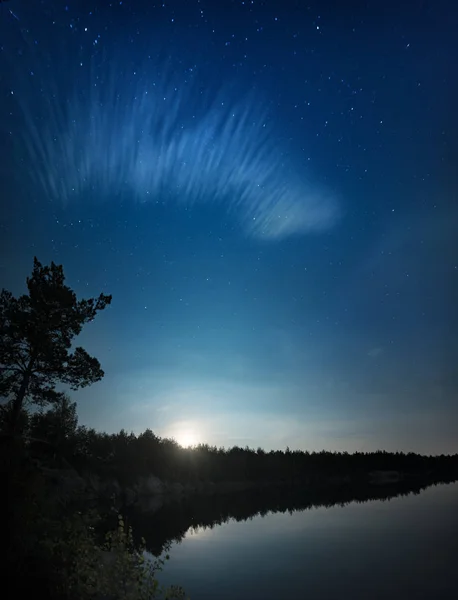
x,y
67,483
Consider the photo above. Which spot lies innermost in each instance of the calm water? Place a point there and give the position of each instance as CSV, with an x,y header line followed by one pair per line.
x,y
406,547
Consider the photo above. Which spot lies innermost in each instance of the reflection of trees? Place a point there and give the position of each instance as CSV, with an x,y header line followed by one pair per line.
x,y
287,480
173,520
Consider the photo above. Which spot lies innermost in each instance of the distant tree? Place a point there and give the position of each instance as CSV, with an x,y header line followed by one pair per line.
x,y
36,333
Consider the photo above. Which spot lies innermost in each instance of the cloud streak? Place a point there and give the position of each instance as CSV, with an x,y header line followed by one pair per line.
x,y
132,133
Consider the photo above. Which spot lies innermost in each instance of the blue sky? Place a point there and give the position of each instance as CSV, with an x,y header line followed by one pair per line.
x,y
270,194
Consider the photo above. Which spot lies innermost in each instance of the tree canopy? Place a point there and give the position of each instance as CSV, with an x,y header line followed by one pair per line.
x,y
36,334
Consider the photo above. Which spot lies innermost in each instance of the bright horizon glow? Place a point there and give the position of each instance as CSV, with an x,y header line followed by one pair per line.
x,y
188,438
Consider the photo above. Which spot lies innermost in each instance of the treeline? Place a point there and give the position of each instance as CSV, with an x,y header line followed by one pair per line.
x,y
58,545
37,355
127,457
59,539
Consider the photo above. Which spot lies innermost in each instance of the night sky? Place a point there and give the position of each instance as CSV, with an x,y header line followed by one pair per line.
x,y
270,192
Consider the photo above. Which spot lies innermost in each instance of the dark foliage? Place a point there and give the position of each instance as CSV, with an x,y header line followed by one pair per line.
x,y
55,547
130,457
36,334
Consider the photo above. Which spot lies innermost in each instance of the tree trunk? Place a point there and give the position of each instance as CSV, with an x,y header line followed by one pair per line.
x,y
18,401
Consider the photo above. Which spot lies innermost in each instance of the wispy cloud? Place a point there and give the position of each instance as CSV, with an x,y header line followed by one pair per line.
x,y
105,132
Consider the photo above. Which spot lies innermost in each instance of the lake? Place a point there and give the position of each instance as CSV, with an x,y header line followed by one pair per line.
x,y
400,547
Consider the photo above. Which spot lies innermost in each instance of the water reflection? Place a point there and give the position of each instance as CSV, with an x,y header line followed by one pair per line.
x,y
161,521
399,546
